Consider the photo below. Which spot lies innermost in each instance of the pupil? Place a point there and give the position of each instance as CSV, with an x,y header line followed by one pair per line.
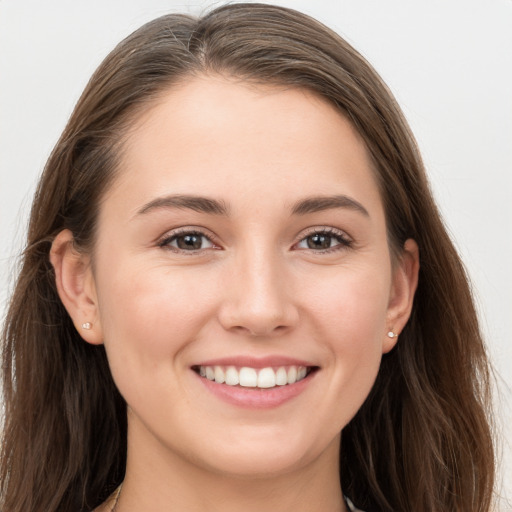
x,y
189,242
319,242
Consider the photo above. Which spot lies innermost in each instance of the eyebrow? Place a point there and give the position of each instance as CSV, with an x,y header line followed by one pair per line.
x,y
196,203
320,203
212,206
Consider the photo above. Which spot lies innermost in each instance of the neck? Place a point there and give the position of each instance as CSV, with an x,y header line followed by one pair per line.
x,y
158,479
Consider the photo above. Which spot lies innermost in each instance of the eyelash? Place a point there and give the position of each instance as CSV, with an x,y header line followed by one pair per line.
x,y
344,241
167,240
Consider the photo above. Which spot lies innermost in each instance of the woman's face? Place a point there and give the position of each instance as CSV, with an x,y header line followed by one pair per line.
x,y
244,239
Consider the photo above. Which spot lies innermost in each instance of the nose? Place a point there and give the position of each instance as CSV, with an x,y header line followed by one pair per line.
x,y
258,297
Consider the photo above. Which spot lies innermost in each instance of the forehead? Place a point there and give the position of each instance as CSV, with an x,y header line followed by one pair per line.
x,y
220,136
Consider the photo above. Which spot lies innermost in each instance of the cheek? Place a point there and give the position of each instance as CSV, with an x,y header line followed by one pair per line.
x,y
149,314
352,305
349,322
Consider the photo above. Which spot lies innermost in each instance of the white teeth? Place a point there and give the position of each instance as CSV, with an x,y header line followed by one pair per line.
x,y
219,375
266,378
292,375
248,377
232,378
281,377
252,378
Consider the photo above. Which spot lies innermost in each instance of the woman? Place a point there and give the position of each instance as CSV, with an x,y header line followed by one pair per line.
x,y
222,291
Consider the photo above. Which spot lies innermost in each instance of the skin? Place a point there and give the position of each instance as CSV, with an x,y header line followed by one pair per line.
x,y
254,288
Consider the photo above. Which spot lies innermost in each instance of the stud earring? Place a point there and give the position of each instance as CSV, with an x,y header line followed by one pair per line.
x,y
86,325
391,334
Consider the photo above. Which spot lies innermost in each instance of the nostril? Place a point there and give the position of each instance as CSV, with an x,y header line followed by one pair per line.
x,y
257,310
261,331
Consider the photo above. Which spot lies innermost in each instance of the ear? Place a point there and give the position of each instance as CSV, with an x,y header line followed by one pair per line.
x,y
76,287
403,288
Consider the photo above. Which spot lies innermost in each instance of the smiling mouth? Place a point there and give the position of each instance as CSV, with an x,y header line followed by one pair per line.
x,y
261,378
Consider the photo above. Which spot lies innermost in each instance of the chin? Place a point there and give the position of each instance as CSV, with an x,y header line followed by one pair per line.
x,y
261,465
260,458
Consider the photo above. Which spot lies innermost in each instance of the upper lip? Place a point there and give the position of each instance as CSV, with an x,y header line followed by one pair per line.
x,y
255,362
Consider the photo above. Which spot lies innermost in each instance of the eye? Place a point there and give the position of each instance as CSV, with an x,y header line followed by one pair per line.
x,y
187,241
324,240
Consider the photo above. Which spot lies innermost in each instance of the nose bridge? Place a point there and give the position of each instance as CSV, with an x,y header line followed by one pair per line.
x,y
257,298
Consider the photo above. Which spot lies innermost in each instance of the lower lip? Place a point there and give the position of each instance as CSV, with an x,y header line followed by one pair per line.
x,y
257,398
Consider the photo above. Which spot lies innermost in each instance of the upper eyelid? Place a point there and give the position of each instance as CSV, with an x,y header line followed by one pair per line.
x,y
323,229
196,230
345,240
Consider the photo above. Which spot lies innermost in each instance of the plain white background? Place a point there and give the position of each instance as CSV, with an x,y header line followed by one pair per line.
x,y
449,63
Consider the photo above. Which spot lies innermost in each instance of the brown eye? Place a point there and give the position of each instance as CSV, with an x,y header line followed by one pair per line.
x,y
188,242
319,241
325,240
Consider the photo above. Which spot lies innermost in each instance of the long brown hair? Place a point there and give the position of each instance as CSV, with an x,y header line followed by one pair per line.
x,y
421,441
